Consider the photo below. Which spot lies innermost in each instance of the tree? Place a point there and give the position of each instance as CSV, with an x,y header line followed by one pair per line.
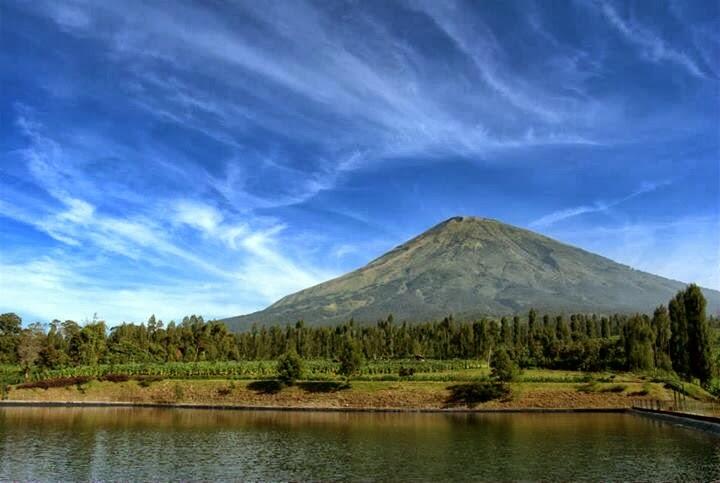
x,y
506,333
289,367
92,344
532,318
54,354
661,327
561,329
698,348
516,331
679,335
31,343
503,369
351,358
639,344
605,328
10,328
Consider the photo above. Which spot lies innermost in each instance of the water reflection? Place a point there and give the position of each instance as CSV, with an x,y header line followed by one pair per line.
x,y
144,443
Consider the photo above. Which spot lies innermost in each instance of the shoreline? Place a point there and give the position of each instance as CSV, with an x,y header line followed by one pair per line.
x,y
700,422
332,396
243,407
361,395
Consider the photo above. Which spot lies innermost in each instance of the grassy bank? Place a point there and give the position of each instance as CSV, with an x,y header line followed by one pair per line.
x,y
432,385
359,394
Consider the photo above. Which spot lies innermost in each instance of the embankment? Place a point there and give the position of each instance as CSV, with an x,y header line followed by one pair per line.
x,y
403,395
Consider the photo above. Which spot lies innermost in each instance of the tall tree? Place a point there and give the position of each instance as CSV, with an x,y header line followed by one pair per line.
x,y
661,327
10,328
351,358
639,344
679,335
31,343
532,321
698,348
506,332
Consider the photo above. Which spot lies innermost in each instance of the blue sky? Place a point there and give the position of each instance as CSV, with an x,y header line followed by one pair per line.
x,y
177,157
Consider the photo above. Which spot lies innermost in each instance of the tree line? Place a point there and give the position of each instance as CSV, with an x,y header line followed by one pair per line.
x,y
676,338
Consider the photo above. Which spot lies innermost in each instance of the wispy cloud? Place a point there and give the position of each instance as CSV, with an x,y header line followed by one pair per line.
x,y
47,288
652,46
381,93
596,207
241,257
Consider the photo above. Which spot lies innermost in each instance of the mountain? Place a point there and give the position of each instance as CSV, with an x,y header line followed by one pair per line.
x,y
471,266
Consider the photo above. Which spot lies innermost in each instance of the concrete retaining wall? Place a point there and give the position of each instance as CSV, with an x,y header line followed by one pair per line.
x,y
696,421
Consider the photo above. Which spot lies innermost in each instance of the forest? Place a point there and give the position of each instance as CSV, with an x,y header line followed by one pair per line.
x,y
677,339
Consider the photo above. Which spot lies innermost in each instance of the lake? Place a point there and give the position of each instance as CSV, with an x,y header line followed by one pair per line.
x,y
152,444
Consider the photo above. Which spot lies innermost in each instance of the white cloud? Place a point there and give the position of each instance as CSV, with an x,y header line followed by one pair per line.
x,y
652,46
376,87
241,260
46,289
596,207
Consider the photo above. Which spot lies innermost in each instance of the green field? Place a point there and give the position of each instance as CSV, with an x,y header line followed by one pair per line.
x,y
378,384
318,370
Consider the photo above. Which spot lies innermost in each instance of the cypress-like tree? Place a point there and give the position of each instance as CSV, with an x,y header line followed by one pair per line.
x,y
532,319
679,335
351,358
639,344
506,335
661,327
698,329
605,328
561,328
516,331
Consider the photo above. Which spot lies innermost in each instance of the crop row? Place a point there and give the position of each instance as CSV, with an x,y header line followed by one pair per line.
x,y
314,369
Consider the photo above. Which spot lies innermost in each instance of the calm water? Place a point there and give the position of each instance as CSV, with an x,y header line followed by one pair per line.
x,y
162,444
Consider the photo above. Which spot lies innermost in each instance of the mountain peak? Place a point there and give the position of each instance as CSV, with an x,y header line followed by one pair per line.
x,y
467,220
471,266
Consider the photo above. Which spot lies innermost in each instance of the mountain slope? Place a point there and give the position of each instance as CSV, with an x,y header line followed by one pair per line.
x,y
472,266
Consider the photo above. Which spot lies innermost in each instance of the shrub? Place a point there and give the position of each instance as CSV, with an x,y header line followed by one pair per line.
x,y
115,378
646,388
351,359
614,388
502,367
478,392
406,372
289,367
589,387
145,381
57,382
677,387
714,387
